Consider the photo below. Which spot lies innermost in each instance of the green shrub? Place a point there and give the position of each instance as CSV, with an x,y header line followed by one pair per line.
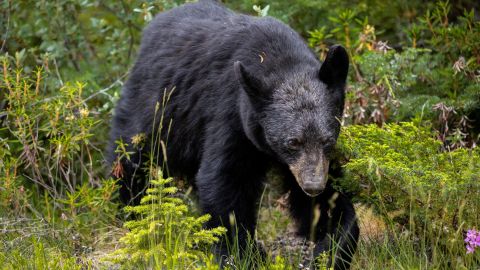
x,y
402,170
47,149
91,41
166,235
305,15
54,202
434,76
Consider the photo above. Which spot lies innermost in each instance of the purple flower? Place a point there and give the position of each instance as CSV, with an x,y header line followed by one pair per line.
x,y
472,240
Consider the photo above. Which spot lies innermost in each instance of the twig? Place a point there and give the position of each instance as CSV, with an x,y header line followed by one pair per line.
x,y
8,26
104,90
56,71
130,31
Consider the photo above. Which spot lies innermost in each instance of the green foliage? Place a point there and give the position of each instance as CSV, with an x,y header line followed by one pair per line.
x,y
37,256
402,170
305,15
91,41
262,12
51,193
166,235
439,82
405,252
451,39
47,152
279,264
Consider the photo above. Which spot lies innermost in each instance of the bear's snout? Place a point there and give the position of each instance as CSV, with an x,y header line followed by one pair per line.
x,y
311,172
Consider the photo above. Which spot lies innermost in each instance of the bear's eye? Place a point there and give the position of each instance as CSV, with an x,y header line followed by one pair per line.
x,y
294,144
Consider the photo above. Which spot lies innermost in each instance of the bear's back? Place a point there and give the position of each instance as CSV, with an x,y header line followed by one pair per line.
x,y
203,39
192,49
200,10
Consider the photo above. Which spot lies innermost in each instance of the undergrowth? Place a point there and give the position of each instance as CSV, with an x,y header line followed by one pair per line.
x,y
165,234
428,197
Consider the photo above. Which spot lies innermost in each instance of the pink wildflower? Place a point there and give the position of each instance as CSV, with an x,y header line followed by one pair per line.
x,y
472,240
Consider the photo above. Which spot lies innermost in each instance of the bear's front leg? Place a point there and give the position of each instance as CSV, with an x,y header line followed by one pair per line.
x,y
229,182
133,180
330,221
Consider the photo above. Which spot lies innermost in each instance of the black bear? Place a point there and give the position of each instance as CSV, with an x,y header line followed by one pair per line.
x,y
248,95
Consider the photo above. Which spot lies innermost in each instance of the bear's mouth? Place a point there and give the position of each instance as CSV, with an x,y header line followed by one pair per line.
x,y
312,189
311,173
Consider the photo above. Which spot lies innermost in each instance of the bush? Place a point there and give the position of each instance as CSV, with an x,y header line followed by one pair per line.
x,y
92,40
305,15
433,75
46,140
49,164
403,172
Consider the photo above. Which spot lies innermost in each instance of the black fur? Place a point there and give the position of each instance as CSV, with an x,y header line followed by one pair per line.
x,y
249,94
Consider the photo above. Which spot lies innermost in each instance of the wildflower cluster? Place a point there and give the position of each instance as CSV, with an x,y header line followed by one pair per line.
x,y
472,240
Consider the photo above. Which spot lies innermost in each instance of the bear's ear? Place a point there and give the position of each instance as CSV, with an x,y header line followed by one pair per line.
x,y
253,86
334,69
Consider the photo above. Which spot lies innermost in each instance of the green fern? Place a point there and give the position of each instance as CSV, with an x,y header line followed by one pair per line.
x,y
166,235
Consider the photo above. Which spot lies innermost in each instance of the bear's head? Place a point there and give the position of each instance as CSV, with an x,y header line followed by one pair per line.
x,y
296,117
